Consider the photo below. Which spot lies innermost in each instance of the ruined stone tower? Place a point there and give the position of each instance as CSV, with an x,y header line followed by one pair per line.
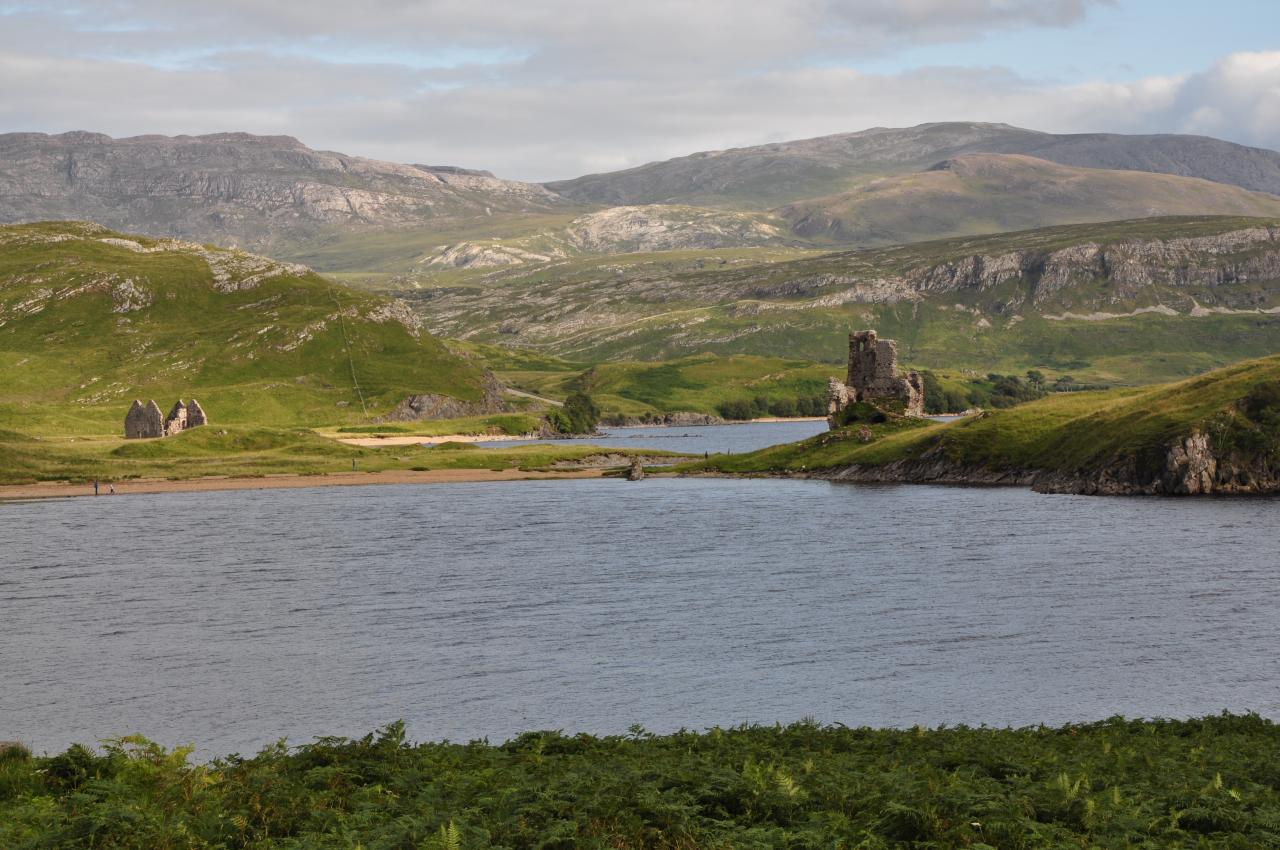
x,y
873,377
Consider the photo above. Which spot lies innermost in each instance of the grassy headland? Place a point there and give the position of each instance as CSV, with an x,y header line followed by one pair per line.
x,y
1068,434
1211,782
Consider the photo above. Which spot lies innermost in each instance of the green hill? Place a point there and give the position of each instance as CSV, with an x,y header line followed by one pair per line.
x,y
1216,433
90,320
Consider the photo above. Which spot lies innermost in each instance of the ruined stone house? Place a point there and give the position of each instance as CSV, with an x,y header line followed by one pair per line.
x,y
873,377
144,422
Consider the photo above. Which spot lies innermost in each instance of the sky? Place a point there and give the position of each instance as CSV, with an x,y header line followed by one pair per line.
x,y
549,89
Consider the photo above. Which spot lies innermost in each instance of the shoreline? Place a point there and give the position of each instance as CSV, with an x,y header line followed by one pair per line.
x,y
374,440
284,481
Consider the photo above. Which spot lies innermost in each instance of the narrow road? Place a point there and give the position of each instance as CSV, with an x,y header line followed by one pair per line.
x,y
524,394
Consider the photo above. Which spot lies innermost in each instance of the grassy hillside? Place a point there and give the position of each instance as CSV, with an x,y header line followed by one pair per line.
x,y
995,193
1209,783
1239,407
90,320
1174,297
698,384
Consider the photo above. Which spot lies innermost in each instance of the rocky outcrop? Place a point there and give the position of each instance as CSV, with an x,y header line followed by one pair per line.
x,y
1204,263
439,406
663,227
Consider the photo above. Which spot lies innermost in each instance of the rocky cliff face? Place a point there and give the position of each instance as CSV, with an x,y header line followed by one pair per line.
x,y
1205,265
236,188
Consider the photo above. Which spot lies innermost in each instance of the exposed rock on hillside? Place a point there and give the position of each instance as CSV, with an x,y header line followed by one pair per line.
x,y
664,228
1207,266
236,188
425,406
617,230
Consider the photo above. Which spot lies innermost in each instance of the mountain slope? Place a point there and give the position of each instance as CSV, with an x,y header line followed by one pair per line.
x,y
767,176
1118,301
90,320
239,189
618,230
993,193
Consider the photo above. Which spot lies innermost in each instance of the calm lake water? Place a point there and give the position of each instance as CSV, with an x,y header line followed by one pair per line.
x,y
737,438
481,610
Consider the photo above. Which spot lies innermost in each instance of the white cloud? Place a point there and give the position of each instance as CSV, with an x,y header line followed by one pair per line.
x,y
555,88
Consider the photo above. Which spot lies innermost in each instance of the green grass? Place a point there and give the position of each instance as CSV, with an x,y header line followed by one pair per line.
x,y
1065,432
291,349
698,383
246,451
1114,785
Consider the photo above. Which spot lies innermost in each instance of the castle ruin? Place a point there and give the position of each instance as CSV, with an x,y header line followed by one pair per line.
x,y
873,377
146,422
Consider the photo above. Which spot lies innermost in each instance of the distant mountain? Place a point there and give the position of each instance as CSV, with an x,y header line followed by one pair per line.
x,y
771,175
993,193
239,189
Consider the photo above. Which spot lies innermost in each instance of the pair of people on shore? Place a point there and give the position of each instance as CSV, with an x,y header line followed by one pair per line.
x,y
111,488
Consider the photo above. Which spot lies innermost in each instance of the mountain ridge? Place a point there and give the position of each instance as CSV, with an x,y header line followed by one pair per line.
x,y
773,174
237,189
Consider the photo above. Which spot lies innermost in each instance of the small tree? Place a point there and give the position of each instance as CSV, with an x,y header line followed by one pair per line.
x,y
582,413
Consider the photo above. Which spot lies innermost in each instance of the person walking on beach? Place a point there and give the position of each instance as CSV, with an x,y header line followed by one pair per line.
x,y
95,486
111,489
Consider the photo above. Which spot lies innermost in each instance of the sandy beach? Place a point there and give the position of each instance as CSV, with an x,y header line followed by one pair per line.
x,y
63,490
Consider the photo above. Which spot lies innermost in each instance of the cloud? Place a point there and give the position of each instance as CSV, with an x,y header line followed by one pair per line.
x,y
551,89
